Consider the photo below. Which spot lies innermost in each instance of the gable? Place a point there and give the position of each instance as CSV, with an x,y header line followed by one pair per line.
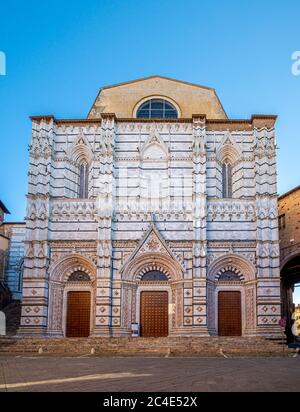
x,y
124,98
154,148
152,242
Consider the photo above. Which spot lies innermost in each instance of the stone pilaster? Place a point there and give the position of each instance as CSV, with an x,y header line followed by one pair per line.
x,y
106,200
267,250
200,242
36,259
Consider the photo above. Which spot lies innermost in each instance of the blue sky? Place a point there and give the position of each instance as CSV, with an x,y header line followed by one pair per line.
x,y
59,53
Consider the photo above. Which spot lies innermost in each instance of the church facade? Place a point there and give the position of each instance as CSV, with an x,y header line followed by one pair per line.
x,y
156,213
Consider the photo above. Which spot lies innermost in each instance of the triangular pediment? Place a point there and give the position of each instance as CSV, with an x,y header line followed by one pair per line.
x,y
152,242
228,150
80,150
154,147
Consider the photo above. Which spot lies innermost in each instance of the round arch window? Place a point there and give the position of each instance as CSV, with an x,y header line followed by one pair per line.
x,y
157,109
79,277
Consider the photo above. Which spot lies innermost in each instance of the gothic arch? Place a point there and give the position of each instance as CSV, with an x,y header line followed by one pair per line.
x,y
228,151
154,148
80,151
152,261
241,266
61,271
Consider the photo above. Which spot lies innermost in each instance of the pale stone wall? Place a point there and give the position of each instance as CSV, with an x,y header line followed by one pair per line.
x,y
289,212
191,99
187,230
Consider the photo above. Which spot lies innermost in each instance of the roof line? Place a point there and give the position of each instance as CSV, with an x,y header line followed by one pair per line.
x,y
154,120
289,192
4,208
152,77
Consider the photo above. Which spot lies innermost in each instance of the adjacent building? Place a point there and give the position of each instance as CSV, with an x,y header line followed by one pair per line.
x,y
289,231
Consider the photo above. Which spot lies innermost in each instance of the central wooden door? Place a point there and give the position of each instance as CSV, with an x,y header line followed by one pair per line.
x,y
229,313
154,314
78,314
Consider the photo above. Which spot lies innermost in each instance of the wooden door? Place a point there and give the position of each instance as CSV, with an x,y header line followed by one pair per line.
x,y
78,314
229,313
154,314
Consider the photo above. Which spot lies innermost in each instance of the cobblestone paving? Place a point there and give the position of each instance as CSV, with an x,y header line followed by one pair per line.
x,y
149,374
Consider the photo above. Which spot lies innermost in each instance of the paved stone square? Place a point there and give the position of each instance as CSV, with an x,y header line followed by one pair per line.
x,y
81,374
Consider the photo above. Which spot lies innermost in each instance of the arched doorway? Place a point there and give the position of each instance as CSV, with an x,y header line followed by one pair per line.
x,y
290,282
154,303
73,273
152,272
231,296
229,305
78,315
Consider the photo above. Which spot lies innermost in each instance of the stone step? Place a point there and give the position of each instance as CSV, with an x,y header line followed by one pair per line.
x,y
132,346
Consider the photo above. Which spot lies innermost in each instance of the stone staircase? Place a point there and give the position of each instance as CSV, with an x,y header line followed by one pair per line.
x,y
170,346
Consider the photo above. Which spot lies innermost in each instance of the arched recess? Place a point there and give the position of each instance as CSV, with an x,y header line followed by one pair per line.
x,y
290,276
154,170
60,282
228,152
133,286
229,157
243,280
81,156
135,269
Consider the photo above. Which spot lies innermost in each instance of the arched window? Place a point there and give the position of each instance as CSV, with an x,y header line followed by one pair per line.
x,y
227,180
157,109
154,275
79,277
83,192
229,276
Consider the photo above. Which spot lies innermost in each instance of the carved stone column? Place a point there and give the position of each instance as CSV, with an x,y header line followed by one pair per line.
x,y
36,259
106,199
200,243
267,250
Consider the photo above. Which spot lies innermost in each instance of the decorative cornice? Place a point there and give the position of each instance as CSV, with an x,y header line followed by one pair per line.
x,y
257,120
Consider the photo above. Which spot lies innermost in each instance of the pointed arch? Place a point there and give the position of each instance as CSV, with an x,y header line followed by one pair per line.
x,y
154,148
226,179
228,151
81,156
83,184
80,151
152,253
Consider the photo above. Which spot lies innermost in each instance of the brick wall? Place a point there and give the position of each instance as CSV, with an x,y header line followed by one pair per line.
x,y
289,223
